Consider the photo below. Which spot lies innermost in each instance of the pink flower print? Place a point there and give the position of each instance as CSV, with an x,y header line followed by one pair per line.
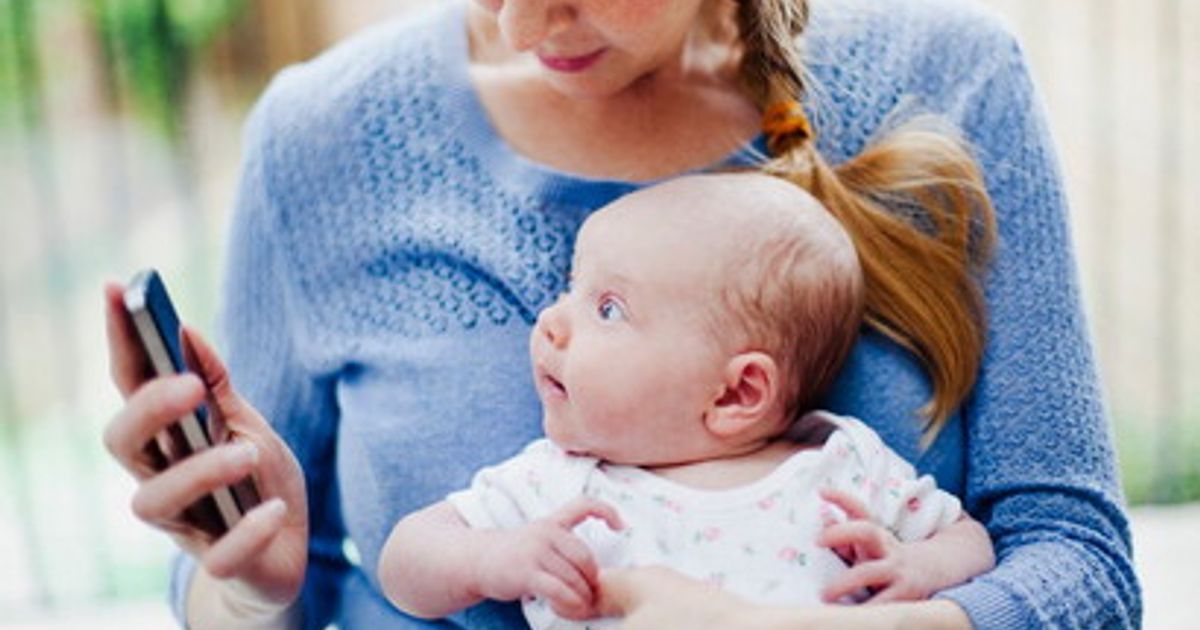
x,y
793,555
913,505
769,501
667,504
842,452
708,534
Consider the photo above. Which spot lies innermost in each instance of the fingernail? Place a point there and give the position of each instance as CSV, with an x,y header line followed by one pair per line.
x,y
244,453
186,384
274,506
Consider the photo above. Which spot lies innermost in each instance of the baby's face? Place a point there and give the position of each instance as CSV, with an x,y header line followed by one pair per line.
x,y
626,362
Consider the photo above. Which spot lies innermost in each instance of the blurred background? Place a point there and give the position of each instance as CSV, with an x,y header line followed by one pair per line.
x,y
119,144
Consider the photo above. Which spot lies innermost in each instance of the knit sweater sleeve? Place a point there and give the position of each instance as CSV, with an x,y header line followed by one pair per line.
x,y
261,328
1041,468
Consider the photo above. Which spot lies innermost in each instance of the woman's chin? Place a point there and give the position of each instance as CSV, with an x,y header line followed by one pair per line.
x,y
585,86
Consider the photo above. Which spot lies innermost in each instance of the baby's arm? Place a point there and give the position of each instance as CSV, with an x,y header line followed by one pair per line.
x,y
434,563
892,570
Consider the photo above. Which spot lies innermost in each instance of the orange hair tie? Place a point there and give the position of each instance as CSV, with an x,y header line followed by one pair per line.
x,y
786,118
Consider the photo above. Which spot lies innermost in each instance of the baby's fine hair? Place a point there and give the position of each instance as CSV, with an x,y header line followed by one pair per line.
x,y
795,289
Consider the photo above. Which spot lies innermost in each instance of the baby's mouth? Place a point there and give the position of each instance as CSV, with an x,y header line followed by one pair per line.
x,y
554,386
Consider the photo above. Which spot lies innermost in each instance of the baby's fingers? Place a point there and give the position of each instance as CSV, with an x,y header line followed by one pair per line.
x,y
583,508
565,601
573,551
897,591
850,504
868,540
564,571
868,576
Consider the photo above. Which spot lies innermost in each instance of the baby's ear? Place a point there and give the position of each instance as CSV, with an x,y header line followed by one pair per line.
x,y
750,393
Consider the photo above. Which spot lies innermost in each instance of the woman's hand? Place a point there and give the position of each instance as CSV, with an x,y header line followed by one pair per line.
x,y
655,598
260,562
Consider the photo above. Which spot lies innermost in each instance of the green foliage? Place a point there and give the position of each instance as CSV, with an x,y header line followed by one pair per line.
x,y
150,47
18,61
8,71
1158,469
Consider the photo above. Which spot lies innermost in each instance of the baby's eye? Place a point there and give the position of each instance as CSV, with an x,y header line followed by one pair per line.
x,y
610,310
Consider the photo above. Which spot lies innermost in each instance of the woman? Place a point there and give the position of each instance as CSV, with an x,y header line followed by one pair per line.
x,y
407,205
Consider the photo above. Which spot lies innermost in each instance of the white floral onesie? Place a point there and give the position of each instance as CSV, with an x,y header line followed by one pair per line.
x,y
755,540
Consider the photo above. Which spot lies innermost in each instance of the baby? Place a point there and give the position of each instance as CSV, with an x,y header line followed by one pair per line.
x,y
706,316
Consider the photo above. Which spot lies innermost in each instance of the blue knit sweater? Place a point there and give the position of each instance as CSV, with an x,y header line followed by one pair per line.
x,y
389,252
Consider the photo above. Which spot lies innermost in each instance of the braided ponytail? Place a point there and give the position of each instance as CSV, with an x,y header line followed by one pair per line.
x,y
921,271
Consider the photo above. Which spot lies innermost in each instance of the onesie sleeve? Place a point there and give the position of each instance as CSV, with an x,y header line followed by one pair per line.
x,y
912,507
523,488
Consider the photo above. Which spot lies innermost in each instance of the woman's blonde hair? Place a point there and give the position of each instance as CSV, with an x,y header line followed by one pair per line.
x,y
921,270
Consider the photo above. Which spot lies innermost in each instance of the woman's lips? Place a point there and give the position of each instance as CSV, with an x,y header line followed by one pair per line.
x,y
571,64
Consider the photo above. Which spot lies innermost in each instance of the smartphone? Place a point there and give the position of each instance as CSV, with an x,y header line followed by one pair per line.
x,y
157,325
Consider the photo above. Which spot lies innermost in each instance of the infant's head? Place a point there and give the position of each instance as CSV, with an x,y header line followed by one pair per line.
x,y
704,313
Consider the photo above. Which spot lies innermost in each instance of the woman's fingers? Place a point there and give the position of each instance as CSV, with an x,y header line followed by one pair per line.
x,y
246,541
164,496
150,409
127,363
225,402
620,592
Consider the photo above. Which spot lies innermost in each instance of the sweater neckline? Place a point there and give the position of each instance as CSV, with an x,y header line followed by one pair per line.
x,y
507,164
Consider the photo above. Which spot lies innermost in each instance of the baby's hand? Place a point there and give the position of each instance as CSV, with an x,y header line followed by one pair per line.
x,y
881,565
545,559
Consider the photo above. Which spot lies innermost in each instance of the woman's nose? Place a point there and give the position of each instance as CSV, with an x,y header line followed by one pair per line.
x,y
526,23
553,325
